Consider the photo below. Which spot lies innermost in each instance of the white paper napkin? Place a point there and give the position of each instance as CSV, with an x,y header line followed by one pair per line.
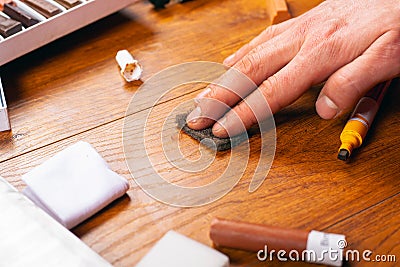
x,y
74,184
29,237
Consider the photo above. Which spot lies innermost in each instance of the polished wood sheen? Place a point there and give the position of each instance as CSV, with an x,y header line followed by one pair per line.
x,y
71,90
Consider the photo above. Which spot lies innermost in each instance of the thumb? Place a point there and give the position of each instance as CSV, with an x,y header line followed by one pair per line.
x,y
380,62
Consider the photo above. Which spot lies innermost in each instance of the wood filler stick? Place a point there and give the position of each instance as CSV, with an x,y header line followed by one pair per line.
x,y
291,244
360,121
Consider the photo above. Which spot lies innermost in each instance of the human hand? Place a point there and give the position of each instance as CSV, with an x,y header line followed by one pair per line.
x,y
352,45
3,2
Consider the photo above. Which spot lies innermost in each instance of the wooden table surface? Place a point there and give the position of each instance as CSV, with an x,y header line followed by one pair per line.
x,y
71,90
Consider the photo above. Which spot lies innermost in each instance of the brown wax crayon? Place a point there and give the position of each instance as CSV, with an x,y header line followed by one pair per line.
x,y
313,246
68,3
20,15
43,7
254,237
3,2
9,27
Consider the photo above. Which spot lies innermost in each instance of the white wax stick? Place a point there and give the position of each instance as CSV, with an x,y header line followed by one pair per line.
x,y
131,70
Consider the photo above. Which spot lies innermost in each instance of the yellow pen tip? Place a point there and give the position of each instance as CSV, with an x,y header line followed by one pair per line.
x,y
343,154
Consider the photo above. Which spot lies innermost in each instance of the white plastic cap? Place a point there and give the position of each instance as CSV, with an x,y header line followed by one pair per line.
x,y
131,70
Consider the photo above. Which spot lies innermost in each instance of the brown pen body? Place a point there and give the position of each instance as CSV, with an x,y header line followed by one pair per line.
x,y
254,237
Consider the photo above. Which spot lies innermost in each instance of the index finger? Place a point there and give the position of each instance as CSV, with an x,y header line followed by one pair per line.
x,y
262,62
269,33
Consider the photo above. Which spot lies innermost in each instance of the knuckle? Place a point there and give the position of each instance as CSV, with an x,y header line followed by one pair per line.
x,y
302,28
246,113
351,86
331,28
327,35
327,47
306,24
250,63
269,89
270,31
392,49
214,91
340,79
218,93
387,53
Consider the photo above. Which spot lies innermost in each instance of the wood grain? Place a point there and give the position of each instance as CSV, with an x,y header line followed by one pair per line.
x,y
76,78
70,90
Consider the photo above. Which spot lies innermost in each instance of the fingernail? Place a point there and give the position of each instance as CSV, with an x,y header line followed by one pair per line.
x,y
228,60
202,95
327,109
194,115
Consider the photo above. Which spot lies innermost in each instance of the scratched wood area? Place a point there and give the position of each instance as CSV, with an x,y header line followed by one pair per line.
x,y
71,90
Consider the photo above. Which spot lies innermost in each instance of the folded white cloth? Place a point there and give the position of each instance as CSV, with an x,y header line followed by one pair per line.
x,y
74,184
176,250
29,237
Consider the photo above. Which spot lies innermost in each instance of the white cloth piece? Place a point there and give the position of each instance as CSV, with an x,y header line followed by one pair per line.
x,y
176,250
30,237
74,184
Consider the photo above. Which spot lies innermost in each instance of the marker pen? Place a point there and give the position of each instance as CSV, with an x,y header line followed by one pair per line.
x,y
360,121
271,242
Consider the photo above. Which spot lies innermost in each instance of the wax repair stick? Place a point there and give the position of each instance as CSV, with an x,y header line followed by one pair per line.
x,y
360,121
271,242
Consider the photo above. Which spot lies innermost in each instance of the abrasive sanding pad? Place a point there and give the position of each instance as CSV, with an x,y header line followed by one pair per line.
x,y
207,138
